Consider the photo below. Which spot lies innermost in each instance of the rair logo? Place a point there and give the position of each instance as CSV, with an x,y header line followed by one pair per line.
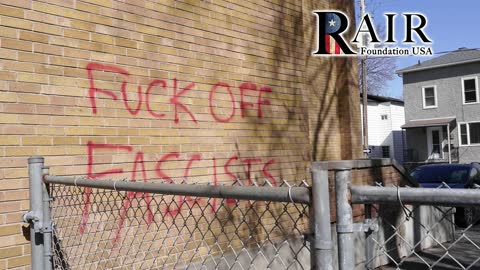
x,y
332,24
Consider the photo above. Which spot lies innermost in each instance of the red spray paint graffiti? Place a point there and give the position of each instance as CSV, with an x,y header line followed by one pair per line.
x,y
245,90
251,98
139,167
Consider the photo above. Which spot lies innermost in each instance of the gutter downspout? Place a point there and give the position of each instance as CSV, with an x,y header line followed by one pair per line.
x,y
448,141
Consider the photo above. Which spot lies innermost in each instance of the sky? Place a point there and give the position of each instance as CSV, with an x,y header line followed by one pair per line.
x,y
451,25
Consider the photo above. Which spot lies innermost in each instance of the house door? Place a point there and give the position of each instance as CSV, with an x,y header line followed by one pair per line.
x,y
434,140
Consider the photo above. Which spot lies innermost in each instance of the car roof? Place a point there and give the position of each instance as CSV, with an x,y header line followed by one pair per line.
x,y
447,165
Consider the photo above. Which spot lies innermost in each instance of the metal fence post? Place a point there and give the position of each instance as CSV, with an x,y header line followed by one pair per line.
x,y
47,225
346,249
321,245
35,215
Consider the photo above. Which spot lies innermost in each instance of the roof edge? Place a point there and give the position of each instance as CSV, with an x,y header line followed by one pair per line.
x,y
382,98
428,122
402,71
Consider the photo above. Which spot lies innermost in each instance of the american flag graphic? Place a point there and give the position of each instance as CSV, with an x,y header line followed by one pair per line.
x,y
332,24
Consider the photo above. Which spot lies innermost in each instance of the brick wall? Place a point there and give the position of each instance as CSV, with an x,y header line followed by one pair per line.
x,y
332,90
203,90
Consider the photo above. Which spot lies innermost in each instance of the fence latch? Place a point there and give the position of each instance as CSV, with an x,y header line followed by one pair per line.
x,y
366,226
33,218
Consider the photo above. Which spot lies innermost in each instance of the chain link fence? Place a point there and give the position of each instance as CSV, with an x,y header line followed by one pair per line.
x,y
420,228
80,223
109,229
435,241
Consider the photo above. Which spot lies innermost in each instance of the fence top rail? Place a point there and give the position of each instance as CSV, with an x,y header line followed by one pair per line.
x,y
423,196
256,193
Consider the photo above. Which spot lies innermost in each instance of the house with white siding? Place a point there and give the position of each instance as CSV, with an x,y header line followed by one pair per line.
x,y
385,119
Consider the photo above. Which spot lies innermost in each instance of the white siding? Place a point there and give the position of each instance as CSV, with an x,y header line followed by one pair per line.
x,y
398,119
385,132
398,116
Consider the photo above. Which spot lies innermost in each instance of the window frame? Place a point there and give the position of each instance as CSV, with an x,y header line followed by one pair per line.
x,y
460,134
476,90
435,96
468,133
389,152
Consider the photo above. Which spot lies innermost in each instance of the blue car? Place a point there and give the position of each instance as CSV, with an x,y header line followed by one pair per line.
x,y
455,176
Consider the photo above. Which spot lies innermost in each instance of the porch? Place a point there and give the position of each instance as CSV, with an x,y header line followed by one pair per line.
x,y
430,141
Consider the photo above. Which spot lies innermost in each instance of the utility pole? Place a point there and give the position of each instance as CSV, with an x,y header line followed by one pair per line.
x,y
364,89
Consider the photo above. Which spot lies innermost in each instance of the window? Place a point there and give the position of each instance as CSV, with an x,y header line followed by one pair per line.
x,y
429,97
384,116
386,151
463,134
436,143
469,133
474,132
470,90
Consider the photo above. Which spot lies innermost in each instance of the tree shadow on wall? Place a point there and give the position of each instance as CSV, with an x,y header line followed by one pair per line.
x,y
311,112
337,111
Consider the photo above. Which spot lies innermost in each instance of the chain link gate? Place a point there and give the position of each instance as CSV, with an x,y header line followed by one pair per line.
x,y
407,228
79,223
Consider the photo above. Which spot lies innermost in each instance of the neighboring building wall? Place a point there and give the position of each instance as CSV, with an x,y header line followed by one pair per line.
x,y
212,92
469,154
397,113
448,81
379,130
385,132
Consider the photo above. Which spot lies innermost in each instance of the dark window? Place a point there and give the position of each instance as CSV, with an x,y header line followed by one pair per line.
x,y
474,133
384,117
470,90
429,94
386,151
463,134
436,144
